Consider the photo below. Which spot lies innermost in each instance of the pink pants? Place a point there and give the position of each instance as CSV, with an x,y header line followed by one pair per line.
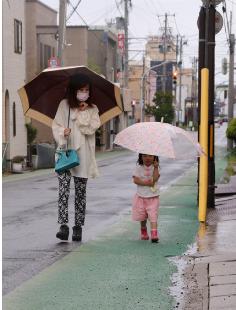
x,y
145,208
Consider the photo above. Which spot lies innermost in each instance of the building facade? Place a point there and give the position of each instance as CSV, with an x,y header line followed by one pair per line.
x,y
41,45
13,77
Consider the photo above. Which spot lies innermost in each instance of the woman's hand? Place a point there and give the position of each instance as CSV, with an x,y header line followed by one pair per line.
x,y
67,132
83,106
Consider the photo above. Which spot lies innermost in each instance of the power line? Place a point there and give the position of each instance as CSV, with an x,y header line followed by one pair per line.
x,y
176,26
74,9
118,7
226,22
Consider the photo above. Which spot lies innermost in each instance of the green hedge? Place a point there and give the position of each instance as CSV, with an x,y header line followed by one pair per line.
x,y
231,130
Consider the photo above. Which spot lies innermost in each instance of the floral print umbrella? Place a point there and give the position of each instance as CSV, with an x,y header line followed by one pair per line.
x,y
162,139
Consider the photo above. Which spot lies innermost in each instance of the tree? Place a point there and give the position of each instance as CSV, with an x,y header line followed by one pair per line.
x,y
231,130
162,108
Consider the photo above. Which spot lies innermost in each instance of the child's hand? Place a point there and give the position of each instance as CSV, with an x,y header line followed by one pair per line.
x,y
155,164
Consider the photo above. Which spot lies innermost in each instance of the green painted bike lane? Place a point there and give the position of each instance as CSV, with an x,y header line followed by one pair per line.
x,y
117,271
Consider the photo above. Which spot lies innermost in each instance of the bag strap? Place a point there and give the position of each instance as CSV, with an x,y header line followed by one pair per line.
x,y
68,127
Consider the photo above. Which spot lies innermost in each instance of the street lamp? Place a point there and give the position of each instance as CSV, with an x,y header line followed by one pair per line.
x,y
142,86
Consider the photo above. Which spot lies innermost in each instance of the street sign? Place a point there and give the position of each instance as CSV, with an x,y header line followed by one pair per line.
x,y
214,2
218,22
121,41
53,62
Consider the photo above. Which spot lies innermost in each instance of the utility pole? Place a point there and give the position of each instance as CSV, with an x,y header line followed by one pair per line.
x,y
210,64
124,116
179,107
180,77
62,30
206,24
142,86
231,81
164,55
126,58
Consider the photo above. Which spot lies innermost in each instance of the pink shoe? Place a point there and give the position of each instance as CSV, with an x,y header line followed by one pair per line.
x,y
154,235
144,234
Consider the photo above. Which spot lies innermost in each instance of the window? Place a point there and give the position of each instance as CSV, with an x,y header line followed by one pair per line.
x,y
14,118
18,36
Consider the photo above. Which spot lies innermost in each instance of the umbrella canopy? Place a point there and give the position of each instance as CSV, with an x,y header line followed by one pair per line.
x,y
160,139
41,96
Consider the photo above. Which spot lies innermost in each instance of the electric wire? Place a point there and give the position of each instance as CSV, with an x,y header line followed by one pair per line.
x,y
74,9
225,22
118,7
226,14
84,21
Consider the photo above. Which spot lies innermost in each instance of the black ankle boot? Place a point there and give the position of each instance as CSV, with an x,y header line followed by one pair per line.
x,y
77,233
63,233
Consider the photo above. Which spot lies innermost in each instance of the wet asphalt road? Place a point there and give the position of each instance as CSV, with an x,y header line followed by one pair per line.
x,y
30,213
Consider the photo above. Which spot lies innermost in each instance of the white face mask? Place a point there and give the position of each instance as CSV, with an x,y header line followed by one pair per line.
x,y
82,95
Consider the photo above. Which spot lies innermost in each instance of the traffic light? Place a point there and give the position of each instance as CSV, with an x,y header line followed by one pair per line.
x,y
174,78
224,67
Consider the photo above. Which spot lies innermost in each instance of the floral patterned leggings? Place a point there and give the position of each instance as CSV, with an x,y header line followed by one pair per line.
x,y
80,198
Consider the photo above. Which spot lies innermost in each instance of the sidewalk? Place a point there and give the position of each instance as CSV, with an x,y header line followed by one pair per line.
x,y
209,279
33,173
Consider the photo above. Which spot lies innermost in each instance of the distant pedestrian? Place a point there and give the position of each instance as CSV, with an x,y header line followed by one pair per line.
x,y
146,200
80,134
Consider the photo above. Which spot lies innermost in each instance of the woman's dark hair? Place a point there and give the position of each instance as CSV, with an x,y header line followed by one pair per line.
x,y
140,160
76,82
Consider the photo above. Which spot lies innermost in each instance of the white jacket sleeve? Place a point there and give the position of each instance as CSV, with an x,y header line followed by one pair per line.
x,y
59,124
88,121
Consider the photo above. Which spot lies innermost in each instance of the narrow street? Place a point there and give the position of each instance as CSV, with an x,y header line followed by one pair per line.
x,y
30,213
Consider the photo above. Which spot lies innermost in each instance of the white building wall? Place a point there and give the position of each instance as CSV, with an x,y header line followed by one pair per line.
x,y
13,76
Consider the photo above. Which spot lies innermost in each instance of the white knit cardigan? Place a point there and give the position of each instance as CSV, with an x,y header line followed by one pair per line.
x,y
83,125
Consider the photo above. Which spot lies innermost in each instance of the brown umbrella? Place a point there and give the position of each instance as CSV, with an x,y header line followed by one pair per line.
x,y
41,96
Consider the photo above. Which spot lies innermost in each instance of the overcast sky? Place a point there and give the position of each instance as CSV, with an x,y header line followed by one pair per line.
x,y
146,18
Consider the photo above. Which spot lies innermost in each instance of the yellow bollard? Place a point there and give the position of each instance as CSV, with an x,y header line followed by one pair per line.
x,y
203,171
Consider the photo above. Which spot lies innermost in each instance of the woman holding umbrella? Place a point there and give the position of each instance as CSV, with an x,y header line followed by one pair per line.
x,y
83,118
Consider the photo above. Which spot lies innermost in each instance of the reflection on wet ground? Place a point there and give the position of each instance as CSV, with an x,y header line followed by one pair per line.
x,y
217,238
203,270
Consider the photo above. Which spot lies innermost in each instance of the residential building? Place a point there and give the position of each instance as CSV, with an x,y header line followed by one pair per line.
x,y
155,48
41,45
13,77
188,100
136,72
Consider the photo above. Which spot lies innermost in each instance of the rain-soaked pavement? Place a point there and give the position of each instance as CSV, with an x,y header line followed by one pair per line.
x,y
30,213
206,278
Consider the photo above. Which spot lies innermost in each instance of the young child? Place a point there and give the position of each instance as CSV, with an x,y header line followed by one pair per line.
x,y
146,200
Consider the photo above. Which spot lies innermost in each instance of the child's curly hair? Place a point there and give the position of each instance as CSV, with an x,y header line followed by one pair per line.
x,y
140,159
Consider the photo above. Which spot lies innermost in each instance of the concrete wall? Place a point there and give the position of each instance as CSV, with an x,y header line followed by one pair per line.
x,y
41,26
77,53
13,68
154,49
37,14
102,52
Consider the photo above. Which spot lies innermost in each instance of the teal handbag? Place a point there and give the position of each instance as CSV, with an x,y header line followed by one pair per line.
x,y
66,159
